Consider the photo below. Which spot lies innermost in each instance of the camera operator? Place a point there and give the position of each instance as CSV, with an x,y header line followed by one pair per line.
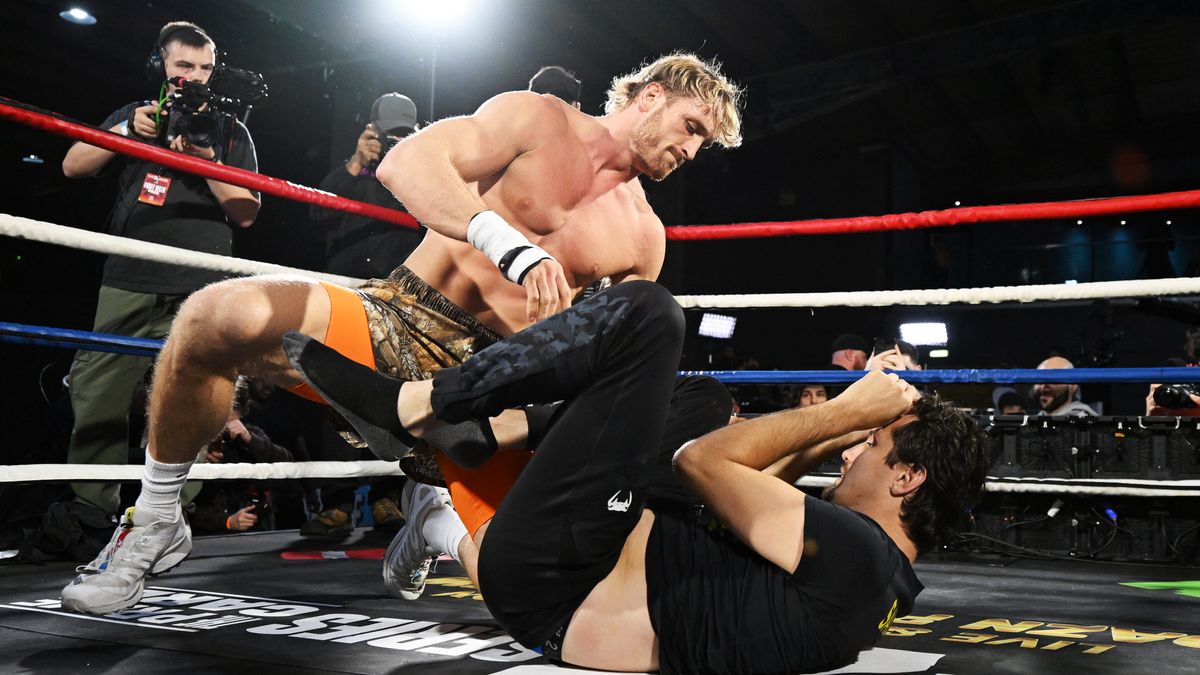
x,y
238,506
160,205
359,246
1178,400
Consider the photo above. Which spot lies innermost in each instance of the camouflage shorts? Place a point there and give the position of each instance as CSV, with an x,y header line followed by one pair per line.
x,y
415,331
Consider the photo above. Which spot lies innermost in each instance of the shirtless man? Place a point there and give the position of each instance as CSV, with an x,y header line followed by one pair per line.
x,y
527,201
763,580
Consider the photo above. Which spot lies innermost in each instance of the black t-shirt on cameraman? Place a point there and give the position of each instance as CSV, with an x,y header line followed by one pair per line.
x,y
360,246
190,218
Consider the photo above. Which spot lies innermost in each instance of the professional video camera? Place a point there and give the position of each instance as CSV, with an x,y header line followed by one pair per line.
x,y
204,113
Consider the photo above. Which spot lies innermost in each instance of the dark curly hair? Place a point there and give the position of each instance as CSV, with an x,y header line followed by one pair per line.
x,y
948,444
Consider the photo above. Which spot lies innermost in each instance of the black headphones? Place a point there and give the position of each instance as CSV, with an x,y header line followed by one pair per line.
x,y
155,68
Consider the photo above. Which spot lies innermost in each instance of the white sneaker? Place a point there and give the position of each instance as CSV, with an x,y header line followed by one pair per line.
x,y
409,557
116,578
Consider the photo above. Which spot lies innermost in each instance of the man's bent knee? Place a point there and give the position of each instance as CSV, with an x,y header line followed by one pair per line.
x,y
242,317
656,306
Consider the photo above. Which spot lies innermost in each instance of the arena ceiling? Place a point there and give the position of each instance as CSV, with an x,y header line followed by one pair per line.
x,y
1004,86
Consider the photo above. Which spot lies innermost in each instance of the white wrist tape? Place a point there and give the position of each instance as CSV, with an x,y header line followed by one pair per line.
x,y
507,248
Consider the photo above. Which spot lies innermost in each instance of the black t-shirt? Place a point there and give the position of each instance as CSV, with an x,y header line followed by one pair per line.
x,y
190,218
718,607
360,246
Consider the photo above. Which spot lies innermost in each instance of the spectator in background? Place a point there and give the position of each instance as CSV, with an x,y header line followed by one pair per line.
x,y
812,394
1059,399
903,356
849,352
359,246
237,506
559,82
363,247
1175,401
1010,403
910,354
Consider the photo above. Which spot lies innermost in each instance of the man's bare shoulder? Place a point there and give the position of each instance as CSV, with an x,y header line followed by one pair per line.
x,y
526,109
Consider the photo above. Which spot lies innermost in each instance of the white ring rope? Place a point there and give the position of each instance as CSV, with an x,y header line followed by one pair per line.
x,y
25,228
42,473
1066,486
49,233
944,296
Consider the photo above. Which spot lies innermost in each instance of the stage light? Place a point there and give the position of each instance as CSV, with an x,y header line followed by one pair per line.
x,y
79,16
717,325
939,353
928,333
433,14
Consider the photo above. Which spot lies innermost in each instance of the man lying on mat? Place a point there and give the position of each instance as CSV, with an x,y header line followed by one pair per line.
x,y
762,579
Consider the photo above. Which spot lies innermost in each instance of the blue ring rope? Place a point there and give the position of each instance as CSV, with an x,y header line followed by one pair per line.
x,y
80,339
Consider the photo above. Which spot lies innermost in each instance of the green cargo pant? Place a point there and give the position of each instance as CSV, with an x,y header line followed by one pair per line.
x,y
103,386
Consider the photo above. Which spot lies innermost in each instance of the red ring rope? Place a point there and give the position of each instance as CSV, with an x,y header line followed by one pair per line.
x,y
897,221
943,218
226,174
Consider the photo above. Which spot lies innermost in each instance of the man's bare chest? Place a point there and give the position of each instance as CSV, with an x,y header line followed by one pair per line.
x,y
592,227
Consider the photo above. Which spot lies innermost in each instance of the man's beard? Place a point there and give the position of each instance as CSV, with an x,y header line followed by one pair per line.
x,y
828,493
1060,399
646,141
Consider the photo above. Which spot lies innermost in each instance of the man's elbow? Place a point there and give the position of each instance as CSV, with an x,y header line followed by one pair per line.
x,y
242,211
72,168
389,170
687,461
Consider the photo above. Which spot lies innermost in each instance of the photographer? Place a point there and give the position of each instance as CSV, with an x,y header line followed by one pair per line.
x,y
160,205
238,506
359,246
1178,400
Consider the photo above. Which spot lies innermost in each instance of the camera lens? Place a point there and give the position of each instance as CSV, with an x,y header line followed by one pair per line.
x,y
1173,396
199,130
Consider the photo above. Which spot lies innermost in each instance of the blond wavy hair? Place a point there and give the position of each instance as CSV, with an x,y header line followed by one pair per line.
x,y
686,75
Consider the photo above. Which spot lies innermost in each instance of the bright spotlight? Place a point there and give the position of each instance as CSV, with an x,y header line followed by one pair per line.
x,y
930,333
440,13
717,325
78,15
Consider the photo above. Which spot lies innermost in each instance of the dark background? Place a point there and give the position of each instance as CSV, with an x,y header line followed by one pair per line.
x,y
855,107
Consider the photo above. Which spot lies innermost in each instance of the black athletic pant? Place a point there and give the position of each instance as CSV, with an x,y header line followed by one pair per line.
x,y
560,530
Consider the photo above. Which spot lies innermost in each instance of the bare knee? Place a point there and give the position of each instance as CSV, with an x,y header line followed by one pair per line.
x,y
233,323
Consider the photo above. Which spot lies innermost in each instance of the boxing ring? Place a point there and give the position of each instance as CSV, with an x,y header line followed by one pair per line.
x,y
243,601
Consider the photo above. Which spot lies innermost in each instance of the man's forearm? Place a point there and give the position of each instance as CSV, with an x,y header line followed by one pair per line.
x,y
83,160
801,462
240,204
431,188
765,441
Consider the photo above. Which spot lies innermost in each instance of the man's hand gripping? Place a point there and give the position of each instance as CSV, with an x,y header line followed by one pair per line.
x,y
876,399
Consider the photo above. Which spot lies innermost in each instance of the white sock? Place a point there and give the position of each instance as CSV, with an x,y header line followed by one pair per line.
x,y
444,530
161,485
